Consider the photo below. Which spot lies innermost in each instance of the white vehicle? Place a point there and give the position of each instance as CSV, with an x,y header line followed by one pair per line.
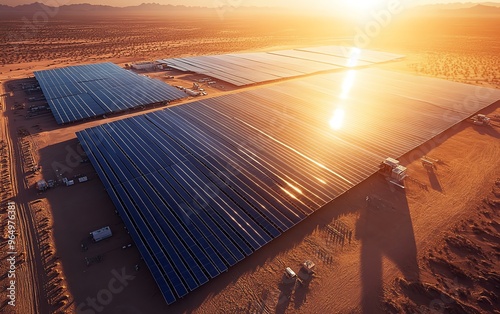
x,y
290,273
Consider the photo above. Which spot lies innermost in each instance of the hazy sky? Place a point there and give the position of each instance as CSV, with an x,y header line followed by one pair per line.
x,y
218,3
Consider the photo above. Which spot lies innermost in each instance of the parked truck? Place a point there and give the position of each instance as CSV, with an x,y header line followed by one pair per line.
x,y
393,171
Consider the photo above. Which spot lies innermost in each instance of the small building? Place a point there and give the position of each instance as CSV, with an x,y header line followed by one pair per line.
x,y
145,66
192,93
101,234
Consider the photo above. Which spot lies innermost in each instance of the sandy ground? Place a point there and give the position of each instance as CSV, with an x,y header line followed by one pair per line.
x,y
399,252
458,49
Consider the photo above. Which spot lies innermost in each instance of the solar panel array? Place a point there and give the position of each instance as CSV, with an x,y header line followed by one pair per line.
x,y
356,54
85,91
250,68
203,185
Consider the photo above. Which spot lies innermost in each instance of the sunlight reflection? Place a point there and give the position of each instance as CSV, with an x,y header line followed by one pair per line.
x,y
353,57
347,83
337,120
321,180
293,187
289,193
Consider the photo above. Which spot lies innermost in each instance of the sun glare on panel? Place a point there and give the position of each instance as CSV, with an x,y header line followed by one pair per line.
x,y
294,187
354,55
347,83
289,193
321,180
337,120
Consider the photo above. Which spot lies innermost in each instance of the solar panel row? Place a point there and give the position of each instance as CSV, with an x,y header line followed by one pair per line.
x,y
203,185
355,53
249,68
85,91
322,58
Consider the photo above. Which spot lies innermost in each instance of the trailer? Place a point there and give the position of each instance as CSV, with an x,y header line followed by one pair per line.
x,y
101,234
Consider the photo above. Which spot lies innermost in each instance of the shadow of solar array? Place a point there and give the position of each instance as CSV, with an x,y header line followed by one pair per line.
x,y
85,91
250,68
203,185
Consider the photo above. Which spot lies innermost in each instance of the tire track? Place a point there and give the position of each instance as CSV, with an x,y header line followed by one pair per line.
x,y
28,286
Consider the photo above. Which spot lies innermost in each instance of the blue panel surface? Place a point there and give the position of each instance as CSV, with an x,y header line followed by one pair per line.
x,y
87,91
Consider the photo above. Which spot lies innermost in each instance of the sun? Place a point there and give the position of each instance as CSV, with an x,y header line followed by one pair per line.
x,y
362,7
351,8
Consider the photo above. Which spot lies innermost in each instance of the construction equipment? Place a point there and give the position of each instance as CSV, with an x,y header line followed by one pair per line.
x,y
480,119
393,171
308,266
428,163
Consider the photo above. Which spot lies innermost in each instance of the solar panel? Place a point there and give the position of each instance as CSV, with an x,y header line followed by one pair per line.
x,y
355,53
86,91
203,185
257,67
322,58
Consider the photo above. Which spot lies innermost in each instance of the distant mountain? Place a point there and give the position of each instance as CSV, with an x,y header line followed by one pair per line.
x,y
91,8
33,7
486,8
455,6
155,7
85,7
480,9
456,10
491,4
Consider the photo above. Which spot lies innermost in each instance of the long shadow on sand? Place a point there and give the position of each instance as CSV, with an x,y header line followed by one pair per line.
x,y
434,180
385,230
